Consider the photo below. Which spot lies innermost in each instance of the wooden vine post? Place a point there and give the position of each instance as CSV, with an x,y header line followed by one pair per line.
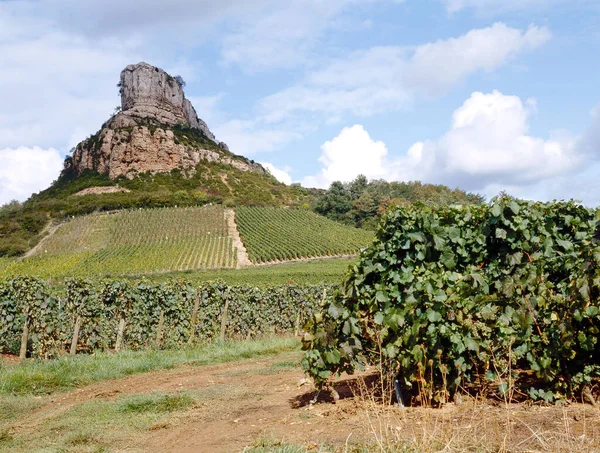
x,y
24,339
120,335
75,339
194,318
160,329
224,320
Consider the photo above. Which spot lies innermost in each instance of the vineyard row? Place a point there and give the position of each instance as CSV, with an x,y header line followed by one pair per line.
x,y
41,321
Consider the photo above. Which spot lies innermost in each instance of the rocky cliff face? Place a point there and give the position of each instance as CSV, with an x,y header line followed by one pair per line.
x,y
156,131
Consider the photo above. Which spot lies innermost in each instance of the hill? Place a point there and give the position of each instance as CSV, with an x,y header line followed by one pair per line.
x,y
166,240
285,234
153,152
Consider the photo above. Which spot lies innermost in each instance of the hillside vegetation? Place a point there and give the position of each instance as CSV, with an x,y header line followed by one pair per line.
x,y
361,202
284,234
21,225
170,240
133,242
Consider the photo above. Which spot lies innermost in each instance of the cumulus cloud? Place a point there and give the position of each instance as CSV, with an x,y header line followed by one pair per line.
x,y
279,174
488,148
389,77
488,143
351,153
27,170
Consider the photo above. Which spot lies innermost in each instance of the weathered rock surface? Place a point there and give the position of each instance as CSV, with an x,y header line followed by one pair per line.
x,y
149,134
147,91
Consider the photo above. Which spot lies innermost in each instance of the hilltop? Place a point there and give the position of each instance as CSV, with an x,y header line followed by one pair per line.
x,y
153,152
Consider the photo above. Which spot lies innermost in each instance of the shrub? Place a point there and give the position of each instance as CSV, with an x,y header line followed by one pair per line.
x,y
449,297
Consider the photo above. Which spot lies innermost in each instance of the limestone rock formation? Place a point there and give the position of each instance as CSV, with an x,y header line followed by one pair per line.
x,y
157,130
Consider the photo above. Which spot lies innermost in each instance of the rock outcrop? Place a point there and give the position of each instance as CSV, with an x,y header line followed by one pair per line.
x,y
157,130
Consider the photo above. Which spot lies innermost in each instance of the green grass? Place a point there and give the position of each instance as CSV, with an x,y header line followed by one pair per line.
x,y
156,402
271,234
39,377
99,425
329,270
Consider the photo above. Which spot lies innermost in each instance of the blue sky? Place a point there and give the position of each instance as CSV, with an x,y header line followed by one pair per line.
x,y
485,95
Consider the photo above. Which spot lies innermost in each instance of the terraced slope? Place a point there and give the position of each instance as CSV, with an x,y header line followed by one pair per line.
x,y
132,243
274,234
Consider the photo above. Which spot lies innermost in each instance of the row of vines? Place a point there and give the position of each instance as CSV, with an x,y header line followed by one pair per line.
x,y
503,297
133,242
272,234
42,321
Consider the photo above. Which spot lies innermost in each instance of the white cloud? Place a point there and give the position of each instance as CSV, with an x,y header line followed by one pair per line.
x,y
488,143
55,85
487,149
388,78
27,170
443,63
351,153
281,175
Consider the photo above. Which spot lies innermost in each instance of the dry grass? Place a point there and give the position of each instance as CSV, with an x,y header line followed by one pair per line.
x,y
474,425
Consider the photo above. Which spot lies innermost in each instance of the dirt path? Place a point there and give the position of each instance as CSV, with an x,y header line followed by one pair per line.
x,y
242,254
238,403
47,233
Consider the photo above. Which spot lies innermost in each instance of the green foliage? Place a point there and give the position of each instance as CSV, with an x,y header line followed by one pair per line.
x,y
156,402
223,311
360,202
26,301
21,225
449,296
283,234
132,243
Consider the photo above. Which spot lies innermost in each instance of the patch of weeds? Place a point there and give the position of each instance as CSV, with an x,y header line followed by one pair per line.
x,y
278,367
14,406
5,436
237,373
156,403
81,438
286,365
270,445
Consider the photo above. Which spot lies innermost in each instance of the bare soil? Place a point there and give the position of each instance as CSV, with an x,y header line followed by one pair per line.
x,y
242,254
261,398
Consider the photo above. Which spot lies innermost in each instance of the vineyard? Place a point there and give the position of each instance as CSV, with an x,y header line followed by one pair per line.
x,y
43,321
502,299
168,240
132,243
271,234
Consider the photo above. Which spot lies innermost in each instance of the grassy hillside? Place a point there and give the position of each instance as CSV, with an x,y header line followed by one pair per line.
x,y
132,243
191,239
21,226
283,234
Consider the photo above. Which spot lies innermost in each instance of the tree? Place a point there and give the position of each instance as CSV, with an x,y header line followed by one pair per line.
x,y
335,203
358,186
